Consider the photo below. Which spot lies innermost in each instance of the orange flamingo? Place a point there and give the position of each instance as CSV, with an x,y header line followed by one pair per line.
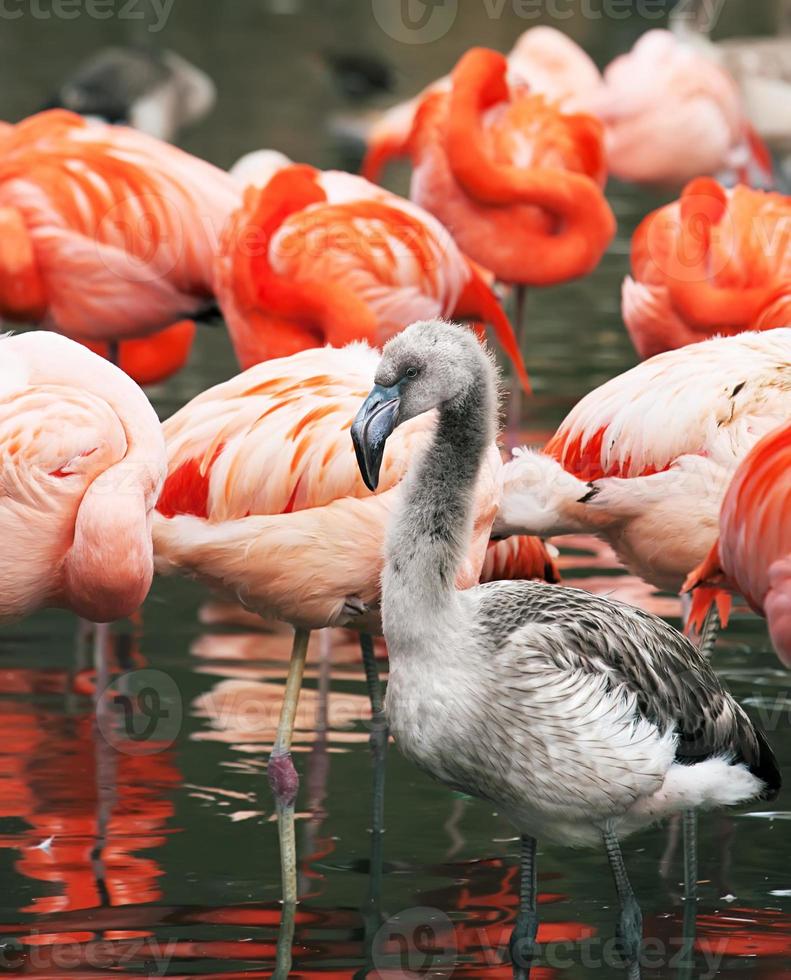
x,y
544,59
516,181
753,553
107,234
672,114
264,501
151,360
83,462
714,262
326,257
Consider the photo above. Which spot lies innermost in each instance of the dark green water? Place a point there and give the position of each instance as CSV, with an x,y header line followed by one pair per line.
x,y
166,863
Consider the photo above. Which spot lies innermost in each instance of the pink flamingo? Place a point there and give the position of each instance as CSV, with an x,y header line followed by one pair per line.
x,y
318,257
264,502
106,233
753,553
714,262
671,114
644,461
545,60
83,463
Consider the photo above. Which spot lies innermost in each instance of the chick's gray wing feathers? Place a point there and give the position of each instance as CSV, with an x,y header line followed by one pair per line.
x,y
674,687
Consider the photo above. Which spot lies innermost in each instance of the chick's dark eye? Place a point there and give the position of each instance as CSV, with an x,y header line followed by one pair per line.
x,y
411,372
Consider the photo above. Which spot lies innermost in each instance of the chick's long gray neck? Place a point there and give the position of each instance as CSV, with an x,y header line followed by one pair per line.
x,y
430,536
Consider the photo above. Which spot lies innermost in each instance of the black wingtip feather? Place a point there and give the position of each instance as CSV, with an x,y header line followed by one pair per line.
x,y
767,768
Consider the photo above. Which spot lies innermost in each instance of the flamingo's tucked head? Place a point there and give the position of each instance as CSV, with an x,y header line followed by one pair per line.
x,y
430,364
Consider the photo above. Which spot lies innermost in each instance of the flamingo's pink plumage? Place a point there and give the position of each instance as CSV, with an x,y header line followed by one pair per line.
x,y
326,257
83,460
517,181
105,233
672,114
153,359
714,262
545,60
753,553
519,557
671,431
264,498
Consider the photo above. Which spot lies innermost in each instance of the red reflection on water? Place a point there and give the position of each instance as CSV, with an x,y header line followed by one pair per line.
x,y
747,932
488,900
90,810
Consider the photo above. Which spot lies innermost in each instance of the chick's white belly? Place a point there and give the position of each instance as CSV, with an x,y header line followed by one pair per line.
x,y
560,760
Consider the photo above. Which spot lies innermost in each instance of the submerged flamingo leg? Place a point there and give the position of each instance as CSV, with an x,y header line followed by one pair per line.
x,y
281,772
523,938
630,923
285,942
515,401
371,909
687,956
101,664
379,732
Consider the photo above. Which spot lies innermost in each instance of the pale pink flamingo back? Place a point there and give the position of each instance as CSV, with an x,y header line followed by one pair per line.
x,y
670,114
83,460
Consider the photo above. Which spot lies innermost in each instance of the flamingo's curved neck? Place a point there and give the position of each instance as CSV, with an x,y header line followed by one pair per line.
x,y
702,303
330,312
691,281
429,537
583,220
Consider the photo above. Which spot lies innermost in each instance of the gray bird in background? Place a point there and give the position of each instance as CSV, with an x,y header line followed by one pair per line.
x,y
157,92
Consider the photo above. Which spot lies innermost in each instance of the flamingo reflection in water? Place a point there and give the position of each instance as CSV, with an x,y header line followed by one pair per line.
x,y
90,811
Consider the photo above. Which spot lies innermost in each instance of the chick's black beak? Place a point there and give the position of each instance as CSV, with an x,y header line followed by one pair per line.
x,y
376,419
